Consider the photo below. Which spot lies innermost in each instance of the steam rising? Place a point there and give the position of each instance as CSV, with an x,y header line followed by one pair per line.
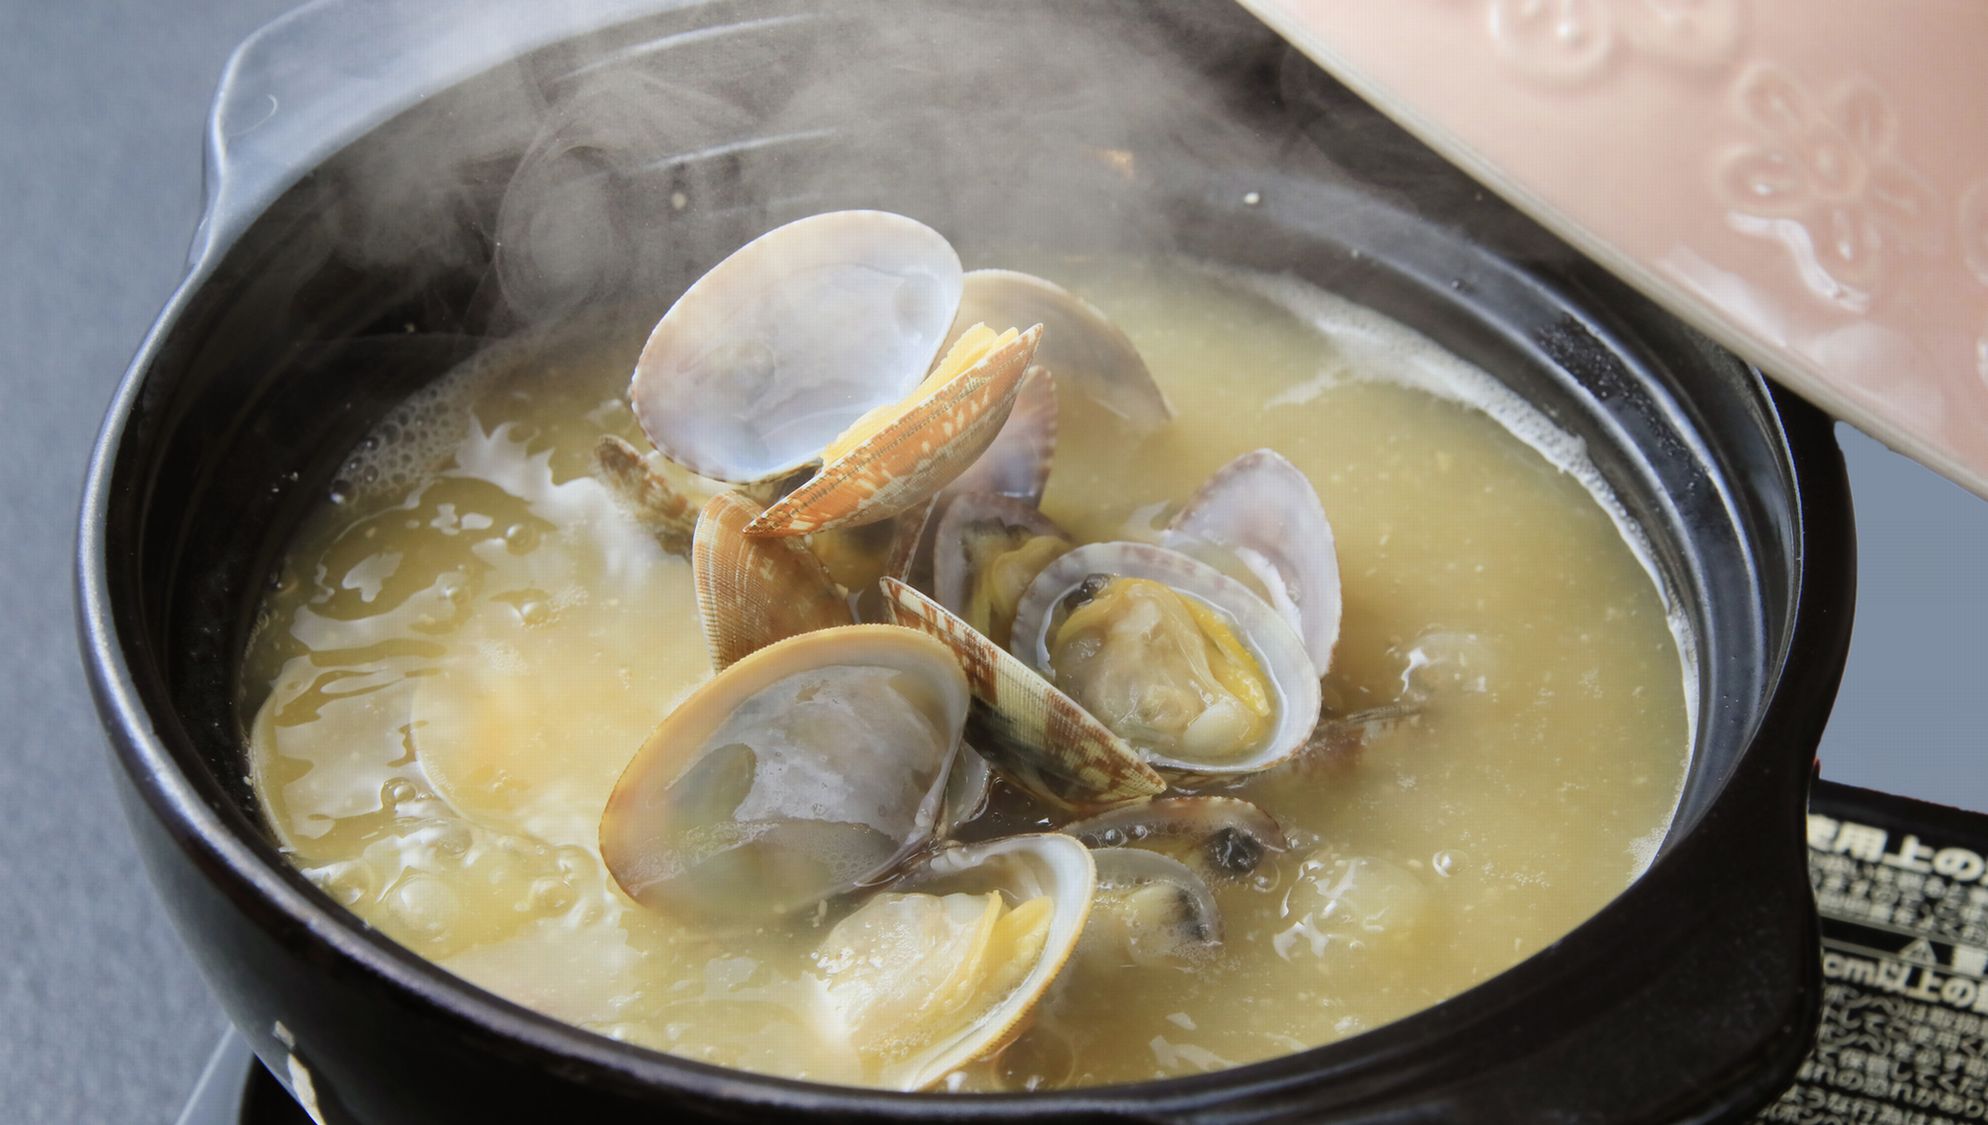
x,y
619,168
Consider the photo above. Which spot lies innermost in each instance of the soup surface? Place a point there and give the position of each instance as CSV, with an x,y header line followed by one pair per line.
x,y
466,645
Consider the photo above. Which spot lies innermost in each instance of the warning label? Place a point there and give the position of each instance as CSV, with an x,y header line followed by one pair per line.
x,y
1904,1036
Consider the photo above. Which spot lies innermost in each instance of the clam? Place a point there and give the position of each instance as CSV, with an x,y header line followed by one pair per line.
x,y
811,767
967,789
782,346
754,592
1017,462
1263,510
1081,346
641,488
1031,733
909,557
901,453
986,551
855,557
1015,466
1188,665
1151,910
1221,838
947,966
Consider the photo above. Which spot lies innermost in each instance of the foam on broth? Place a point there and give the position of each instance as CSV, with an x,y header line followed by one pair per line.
x,y
461,654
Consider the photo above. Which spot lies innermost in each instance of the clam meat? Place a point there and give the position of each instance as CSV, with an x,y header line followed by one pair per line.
x,y
1264,512
948,965
987,550
1188,665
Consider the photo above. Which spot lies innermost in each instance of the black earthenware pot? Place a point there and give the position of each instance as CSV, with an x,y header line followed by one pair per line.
x,y
393,185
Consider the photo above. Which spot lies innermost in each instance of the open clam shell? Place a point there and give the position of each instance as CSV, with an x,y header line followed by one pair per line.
x,y
1265,511
910,557
986,551
1017,466
808,768
780,347
1222,838
1150,910
916,1013
1031,733
1277,648
754,592
1017,462
968,786
1082,347
931,441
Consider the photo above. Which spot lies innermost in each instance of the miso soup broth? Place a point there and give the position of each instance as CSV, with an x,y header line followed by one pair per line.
x,y
466,645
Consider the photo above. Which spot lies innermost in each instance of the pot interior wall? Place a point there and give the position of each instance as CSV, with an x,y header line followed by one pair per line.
x,y
609,172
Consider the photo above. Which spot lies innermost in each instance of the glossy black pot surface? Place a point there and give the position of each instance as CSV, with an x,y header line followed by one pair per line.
x,y
607,170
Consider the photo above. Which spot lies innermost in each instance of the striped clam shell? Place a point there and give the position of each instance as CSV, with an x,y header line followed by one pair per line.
x,y
646,493
933,441
1032,734
754,592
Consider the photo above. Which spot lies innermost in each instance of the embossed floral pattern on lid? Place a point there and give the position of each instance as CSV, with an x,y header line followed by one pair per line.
x,y
1572,40
1828,183
1805,180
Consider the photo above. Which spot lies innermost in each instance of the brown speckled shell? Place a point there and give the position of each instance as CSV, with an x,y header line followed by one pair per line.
x,y
1017,463
1033,734
753,592
645,493
913,457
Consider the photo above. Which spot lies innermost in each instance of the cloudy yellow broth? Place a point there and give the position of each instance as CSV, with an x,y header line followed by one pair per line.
x,y
467,643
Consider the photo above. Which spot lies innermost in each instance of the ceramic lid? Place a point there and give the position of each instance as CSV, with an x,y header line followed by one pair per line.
x,y
1804,180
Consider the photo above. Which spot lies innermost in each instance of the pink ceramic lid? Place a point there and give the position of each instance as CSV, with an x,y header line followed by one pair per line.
x,y
1805,180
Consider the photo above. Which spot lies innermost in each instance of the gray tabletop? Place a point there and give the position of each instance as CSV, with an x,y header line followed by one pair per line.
x,y
101,109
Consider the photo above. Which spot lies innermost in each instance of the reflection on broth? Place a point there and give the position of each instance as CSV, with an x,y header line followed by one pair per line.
x,y
464,651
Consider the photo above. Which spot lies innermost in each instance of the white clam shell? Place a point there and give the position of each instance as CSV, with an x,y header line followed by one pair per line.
x,y
1022,868
1080,346
771,355
1264,511
1194,917
801,796
1275,644
967,789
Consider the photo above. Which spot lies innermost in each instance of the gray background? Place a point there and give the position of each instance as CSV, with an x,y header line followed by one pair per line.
x,y
101,111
